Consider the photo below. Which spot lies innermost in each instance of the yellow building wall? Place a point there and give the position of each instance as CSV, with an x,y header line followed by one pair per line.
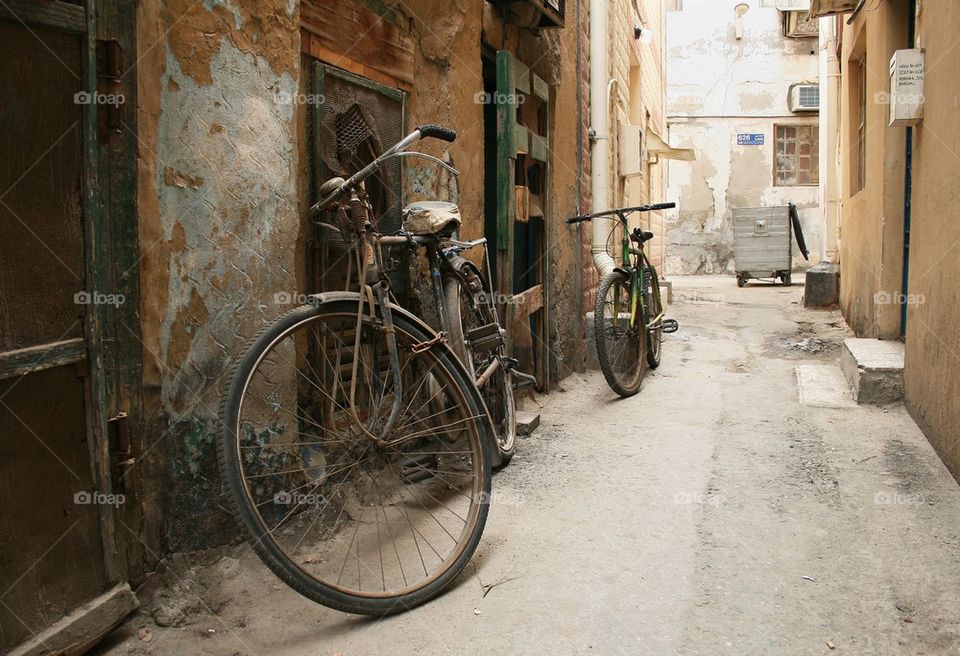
x,y
933,311
871,218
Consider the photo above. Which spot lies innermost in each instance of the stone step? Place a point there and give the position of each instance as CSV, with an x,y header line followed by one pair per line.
x,y
527,422
873,369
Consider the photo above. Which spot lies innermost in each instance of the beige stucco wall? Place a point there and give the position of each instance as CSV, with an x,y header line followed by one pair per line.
x,y
719,86
933,337
871,219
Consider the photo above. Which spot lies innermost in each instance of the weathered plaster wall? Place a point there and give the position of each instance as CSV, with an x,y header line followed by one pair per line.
x,y
727,176
719,86
219,224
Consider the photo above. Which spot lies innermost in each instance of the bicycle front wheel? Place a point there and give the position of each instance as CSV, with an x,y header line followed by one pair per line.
x,y
654,315
354,520
621,345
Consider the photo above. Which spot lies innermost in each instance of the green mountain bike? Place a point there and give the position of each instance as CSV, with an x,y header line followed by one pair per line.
x,y
628,317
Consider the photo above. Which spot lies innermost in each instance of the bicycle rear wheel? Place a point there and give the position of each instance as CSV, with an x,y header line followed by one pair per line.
x,y
466,311
621,347
358,524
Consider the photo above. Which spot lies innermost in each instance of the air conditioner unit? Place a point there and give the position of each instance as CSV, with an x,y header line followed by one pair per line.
x,y
805,98
799,25
535,14
820,8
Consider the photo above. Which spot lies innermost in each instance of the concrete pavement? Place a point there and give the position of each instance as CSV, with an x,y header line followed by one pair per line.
x,y
713,513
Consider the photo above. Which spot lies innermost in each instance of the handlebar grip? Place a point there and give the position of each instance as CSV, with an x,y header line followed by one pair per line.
x,y
663,206
437,132
578,219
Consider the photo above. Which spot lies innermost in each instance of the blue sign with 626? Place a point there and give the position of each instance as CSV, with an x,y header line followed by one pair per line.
x,y
750,139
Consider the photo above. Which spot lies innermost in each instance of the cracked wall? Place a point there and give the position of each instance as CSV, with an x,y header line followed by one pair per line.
x,y
719,87
223,186
219,224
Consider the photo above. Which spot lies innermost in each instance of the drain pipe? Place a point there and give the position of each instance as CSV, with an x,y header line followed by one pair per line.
x,y
600,134
829,137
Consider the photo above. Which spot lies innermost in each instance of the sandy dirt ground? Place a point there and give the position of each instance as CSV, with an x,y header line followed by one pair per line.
x,y
713,513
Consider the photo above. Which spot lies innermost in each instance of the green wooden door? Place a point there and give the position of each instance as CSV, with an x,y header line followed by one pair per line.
x,y
523,202
57,518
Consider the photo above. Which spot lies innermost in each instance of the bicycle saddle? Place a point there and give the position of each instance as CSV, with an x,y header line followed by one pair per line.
x,y
431,217
641,236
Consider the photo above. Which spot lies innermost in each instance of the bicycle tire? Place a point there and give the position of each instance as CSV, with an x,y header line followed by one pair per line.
x,y
654,308
248,516
498,393
610,357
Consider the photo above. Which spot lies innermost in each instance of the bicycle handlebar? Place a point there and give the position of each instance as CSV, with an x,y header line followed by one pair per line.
x,y
621,212
438,132
428,130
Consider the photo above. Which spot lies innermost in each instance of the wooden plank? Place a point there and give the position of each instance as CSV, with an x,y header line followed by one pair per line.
x,y
42,356
312,46
521,77
506,154
539,87
538,147
46,13
122,348
347,30
96,260
84,627
521,139
528,301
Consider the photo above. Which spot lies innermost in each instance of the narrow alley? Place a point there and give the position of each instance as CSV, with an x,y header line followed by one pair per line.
x,y
347,327
711,514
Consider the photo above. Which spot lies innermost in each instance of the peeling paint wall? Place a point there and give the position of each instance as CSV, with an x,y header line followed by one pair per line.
x,y
223,186
718,87
219,223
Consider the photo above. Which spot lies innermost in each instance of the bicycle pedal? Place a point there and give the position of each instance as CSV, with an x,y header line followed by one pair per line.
x,y
487,337
669,325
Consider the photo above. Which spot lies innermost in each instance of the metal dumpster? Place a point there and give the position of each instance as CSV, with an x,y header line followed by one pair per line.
x,y
762,243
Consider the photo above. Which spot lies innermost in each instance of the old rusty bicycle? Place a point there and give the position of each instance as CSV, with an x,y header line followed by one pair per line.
x,y
356,445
